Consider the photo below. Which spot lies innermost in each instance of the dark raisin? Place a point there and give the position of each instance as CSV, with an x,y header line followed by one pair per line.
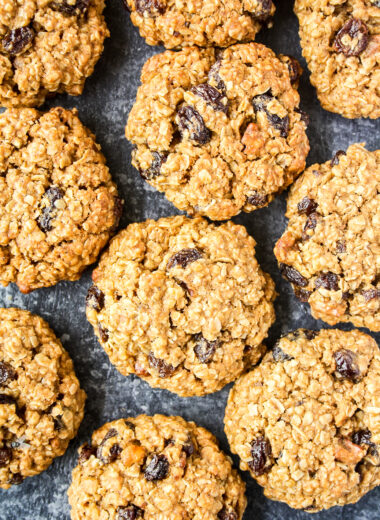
x,y
362,437
5,457
292,275
112,432
70,7
263,12
260,104
150,7
95,298
129,513
261,453
184,257
86,453
16,479
370,294
7,373
44,220
103,333
328,281
130,425
214,77
346,364
212,96
304,116
261,101
188,448
357,31
279,355
346,295
335,159
17,40
311,223
114,450
164,369
58,423
117,211
341,246
257,199
7,399
307,206
154,169
224,514
191,123
310,334
204,349
295,69
158,468
302,294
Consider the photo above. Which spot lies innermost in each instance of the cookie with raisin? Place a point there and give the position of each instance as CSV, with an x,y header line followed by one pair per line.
x,y
305,422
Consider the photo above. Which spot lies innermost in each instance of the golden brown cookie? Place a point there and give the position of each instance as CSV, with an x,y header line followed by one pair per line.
x,y
305,422
155,468
58,204
330,251
219,132
182,303
48,46
41,402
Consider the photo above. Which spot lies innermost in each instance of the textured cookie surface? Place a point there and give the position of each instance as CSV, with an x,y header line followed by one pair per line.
x,y
174,23
58,204
330,251
305,422
182,303
341,43
155,468
218,131
41,403
48,46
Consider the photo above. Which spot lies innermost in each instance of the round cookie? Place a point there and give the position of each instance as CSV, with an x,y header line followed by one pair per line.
x,y
41,402
58,204
154,468
218,132
182,303
305,422
340,41
330,251
48,46
173,23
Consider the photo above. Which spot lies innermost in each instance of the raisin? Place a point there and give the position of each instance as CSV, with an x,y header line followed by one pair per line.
x,y
188,448
292,275
95,298
117,211
307,206
368,295
310,334
261,453
44,220
70,8
58,423
86,453
16,41
150,7
114,450
295,69
311,223
204,349
213,76
346,364
264,11
129,512
154,169
130,425
257,199
225,515
279,355
7,399
164,369
260,104
5,457
112,432
16,479
357,31
103,333
361,437
158,468
191,122
335,159
302,294
328,281
212,96
261,101
184,257
341,246
7,373
304,116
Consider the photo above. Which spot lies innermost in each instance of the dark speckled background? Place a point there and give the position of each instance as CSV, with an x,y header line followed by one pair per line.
x,y
104,107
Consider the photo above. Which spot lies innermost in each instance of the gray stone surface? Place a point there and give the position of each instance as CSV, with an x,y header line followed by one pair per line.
x,y
104,106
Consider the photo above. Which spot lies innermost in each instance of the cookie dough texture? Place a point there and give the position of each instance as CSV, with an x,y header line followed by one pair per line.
x,y
305,422
330,250
58,205
182,303
48,46
41,402
155,468
340,41
204,23
218,132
